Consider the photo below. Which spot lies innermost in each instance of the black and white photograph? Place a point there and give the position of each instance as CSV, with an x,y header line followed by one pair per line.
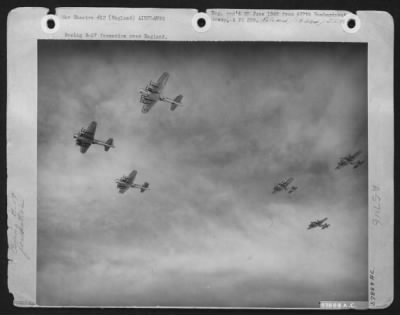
x,y
201,174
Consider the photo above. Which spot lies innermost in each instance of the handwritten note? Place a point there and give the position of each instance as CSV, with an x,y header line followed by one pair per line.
x,y
16,225
276,16
376,205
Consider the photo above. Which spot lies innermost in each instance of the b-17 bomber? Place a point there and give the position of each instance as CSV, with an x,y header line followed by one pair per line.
x,y
85,138
284,185
150,95
318,223
126,182
349,160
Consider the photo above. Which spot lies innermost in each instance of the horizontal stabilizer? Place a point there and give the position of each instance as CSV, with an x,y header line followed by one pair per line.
x,y
144,187
110,143
176,102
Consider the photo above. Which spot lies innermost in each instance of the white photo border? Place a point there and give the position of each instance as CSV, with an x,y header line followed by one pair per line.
x,y
26,26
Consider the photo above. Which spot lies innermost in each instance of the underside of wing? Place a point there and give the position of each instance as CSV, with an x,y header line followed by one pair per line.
x,y
356,154
123,189
289,181
132,177
147,106
84,148
92,128
162,81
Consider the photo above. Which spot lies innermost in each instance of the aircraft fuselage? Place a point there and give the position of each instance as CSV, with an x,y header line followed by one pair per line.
x,y
83,139
121,183
150,96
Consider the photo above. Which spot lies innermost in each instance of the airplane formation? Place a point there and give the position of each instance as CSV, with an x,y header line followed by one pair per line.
x,y
284,185
152,94
149,96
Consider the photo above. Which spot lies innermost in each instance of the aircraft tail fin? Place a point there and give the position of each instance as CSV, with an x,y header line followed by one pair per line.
x,y
110,143
144,187
176,102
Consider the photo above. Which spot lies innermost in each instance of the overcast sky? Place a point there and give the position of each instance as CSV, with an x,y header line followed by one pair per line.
x,y
209,232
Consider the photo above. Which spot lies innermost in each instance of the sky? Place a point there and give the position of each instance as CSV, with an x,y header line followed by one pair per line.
x,y
209,232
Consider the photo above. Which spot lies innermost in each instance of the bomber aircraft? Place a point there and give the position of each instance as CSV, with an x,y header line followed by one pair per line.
x,y
152,94
318,223
348,159
85,138
283,185
126,182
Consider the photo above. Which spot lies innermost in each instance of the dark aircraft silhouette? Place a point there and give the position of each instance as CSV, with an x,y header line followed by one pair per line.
x,y
283,185
85,138
126,182
346,160
318,223
152,94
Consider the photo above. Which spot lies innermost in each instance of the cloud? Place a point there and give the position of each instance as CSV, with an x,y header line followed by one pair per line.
x,y
209,232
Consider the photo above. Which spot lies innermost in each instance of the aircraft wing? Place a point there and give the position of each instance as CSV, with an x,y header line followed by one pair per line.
x,y
123,189
276,189
289,181
319,222
352,157
286,183
162,81
311,226
147,105
84,148
92,128
343,162
131,177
